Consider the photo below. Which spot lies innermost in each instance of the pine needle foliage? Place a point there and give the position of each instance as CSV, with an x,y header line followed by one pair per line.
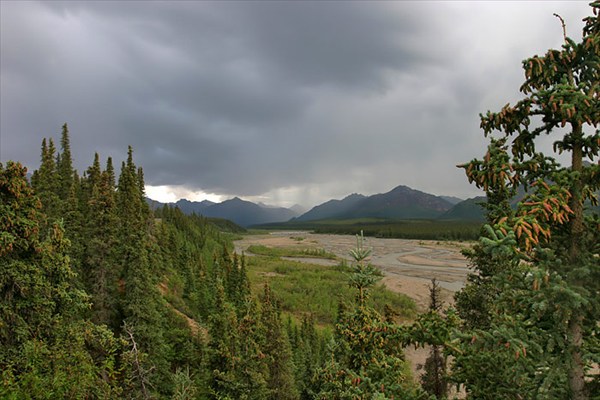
x,y
366,358
540,263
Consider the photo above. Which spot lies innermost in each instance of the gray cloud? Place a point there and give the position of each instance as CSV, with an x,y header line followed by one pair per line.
x,y
278,101
347,45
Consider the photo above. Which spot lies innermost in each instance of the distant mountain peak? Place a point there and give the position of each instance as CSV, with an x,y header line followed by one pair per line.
x,y
404,189
399,203
401,187
354,196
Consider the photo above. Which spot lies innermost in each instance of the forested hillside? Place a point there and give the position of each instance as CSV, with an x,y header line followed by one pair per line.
x,y
104,298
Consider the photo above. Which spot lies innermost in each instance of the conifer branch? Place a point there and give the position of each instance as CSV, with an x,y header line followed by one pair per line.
x,y
564,26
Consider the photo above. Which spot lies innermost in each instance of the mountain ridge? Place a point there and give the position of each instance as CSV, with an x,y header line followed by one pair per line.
x,y
401,202
243,213
331,208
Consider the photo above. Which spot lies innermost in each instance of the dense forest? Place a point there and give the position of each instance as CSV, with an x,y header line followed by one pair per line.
x,y
401,229
102,297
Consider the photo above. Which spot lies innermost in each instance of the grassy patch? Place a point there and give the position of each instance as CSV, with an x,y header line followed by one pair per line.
x,y
315,289
290,252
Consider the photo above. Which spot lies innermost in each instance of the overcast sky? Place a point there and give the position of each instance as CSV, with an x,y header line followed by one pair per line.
x,y
280,102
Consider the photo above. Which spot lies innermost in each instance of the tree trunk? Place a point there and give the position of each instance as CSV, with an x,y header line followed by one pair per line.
x,y
576,372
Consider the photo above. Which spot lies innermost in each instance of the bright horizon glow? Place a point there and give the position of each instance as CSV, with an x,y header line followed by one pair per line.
x,y
171,194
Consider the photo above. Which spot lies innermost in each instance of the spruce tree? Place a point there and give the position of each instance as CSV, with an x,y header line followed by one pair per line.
x,y
366,358
67,191
435,379
139,301
64,165
57,184
237,363
276,348
100,229
308,346
546,311
110,172
45,180
48,349
475,302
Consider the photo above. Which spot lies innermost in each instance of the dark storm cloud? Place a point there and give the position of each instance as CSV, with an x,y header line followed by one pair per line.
x,y
348,45
296,101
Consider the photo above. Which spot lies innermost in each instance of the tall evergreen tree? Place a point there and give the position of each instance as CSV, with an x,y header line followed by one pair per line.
x,y
64,165
475,302
548,305
100,230
435,379
57,184
238,365
67,191
366,354
110,171
45,180
236,280
140,299
309,355
47,346
276,348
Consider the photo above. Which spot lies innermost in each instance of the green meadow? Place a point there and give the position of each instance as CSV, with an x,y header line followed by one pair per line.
x,y
304,288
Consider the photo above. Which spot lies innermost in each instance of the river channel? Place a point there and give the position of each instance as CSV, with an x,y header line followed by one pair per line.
x,y
411,261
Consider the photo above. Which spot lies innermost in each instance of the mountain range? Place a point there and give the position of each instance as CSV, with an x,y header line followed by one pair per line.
x,y
242,212
401,202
